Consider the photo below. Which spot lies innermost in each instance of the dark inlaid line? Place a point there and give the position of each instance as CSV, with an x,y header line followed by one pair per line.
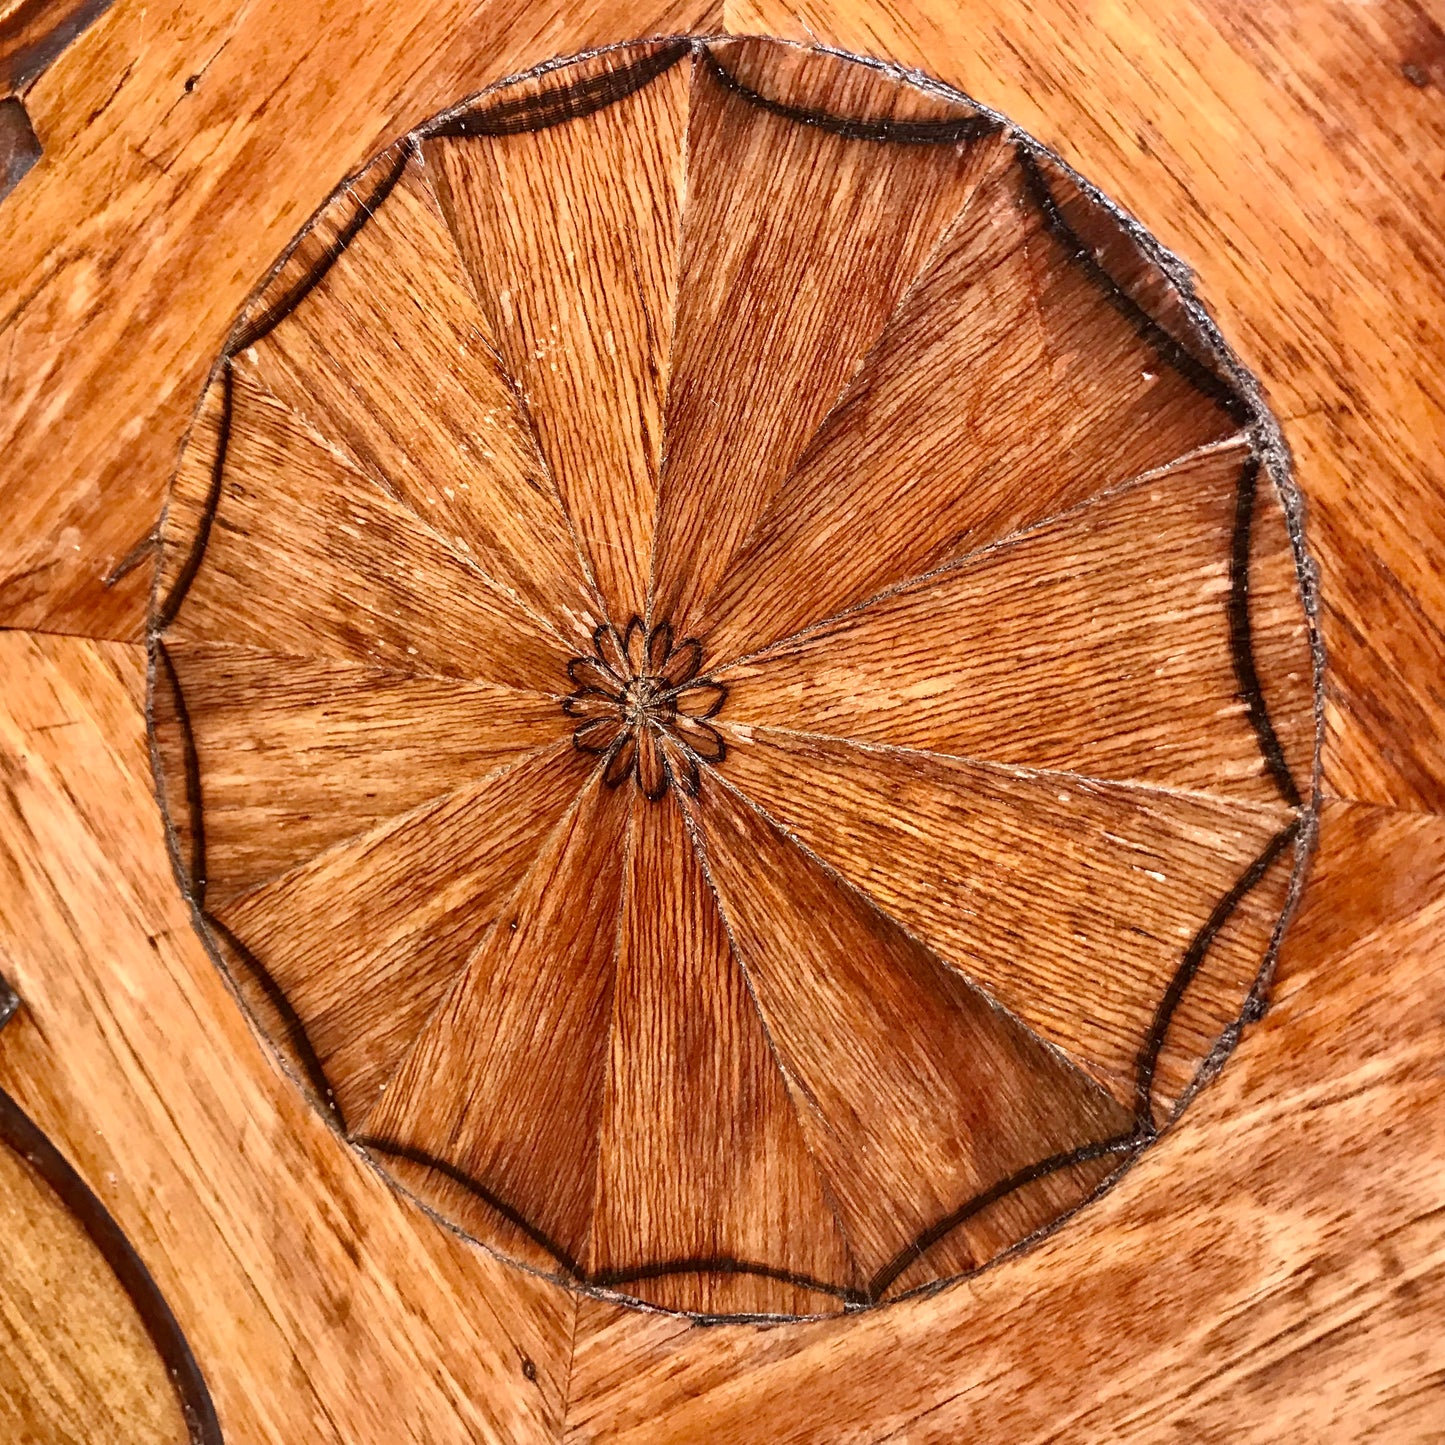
x,y
171,604
1241,636
607,1278
476,1187
292,1025
1190,965
900,132
723,1264
254,331
888,1275
194,868
21,1134
1170,350
581,98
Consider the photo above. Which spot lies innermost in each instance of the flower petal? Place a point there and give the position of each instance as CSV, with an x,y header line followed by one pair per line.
x,y
609,653
589,675
682,662
681,766
598,735
659,644
620,764
589,703
701,698
651,770
634,647
701,737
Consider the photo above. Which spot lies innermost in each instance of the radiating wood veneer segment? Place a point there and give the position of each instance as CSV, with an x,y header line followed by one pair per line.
x,y
572,235
506,1081
795,254
308,557
1069,901
361,954
914,1092
701,1156
926,446
443,432
295,755
1073,647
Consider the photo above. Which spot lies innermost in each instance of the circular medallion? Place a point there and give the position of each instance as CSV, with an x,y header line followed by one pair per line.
x,y
732,680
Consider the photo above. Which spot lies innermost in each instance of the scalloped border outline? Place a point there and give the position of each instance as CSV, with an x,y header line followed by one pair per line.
x,y
1239,396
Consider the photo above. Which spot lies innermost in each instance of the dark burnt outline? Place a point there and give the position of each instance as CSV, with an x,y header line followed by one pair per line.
x,y
1241,636
1241,402
972,127
611,685
1170,350
20,1133
530,113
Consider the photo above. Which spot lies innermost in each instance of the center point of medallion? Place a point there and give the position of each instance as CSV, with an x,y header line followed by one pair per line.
x,y
641,706
646,699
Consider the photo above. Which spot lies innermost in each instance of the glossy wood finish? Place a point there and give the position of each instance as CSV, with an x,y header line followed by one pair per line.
x,y
983,927
1300,1189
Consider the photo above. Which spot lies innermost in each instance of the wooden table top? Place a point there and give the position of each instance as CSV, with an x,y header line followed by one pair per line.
x,y
794,704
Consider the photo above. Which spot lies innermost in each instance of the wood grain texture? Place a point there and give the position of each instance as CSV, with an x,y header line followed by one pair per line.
x,y
914,1092
751,379
362,1010
296,755
75,1358
285,1259
923,1132
572,234
1069,902
701,1156
34,32
1308,208
307,557
1107,659
927,436
1270,1272
447,436
179,159
505,1083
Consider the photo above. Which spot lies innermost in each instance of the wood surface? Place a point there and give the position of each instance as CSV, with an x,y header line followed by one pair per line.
x,y
1269,1270
983,986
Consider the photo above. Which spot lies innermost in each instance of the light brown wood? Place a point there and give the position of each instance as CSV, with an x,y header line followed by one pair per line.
x,y
997,327
777,210
701,1155
1268,1271
149,187
914,1092
1272,1271
572,235
404,950
1116,654
456,446
1067,900
75,1359
285,1259
306,557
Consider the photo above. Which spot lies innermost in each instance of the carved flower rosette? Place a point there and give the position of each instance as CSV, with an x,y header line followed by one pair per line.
x,y
732,685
